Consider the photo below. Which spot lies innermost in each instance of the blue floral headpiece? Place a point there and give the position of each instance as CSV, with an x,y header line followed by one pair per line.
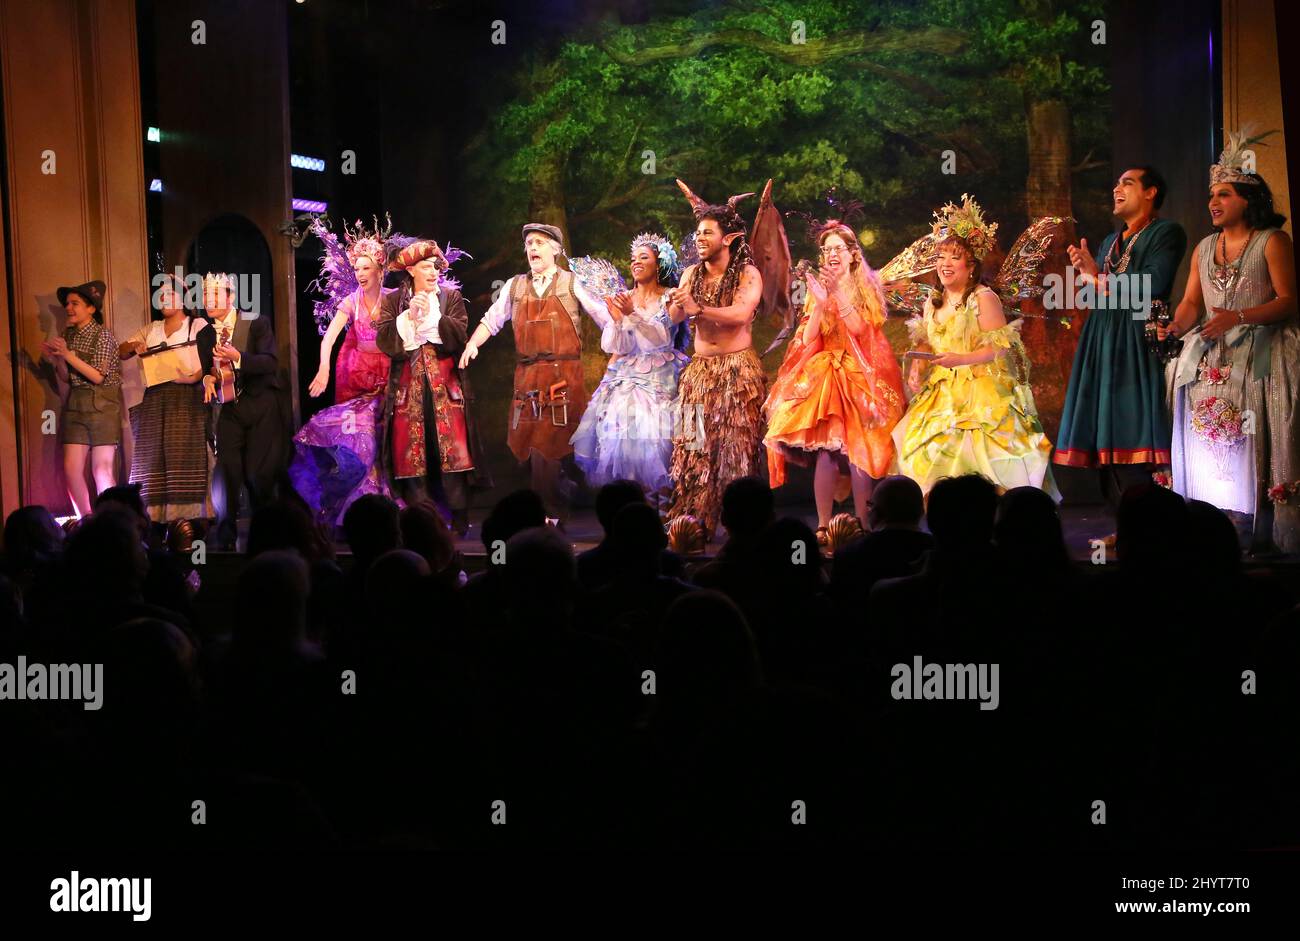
x,y
670,268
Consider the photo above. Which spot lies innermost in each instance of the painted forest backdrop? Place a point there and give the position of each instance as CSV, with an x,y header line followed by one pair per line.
x,y
591,132
587,112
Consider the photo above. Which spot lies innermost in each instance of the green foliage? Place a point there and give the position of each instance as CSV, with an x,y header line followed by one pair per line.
x,y
873,122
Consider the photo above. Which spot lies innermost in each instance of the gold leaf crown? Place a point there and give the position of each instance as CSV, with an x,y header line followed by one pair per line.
x,y
966,222
1236,145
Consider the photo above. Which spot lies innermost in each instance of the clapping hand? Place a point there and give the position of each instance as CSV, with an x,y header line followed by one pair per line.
x,y
682,298
817,288
620,305
1081,258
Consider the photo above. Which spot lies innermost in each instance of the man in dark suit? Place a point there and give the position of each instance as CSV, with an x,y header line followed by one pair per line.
x,y
431,444
891,549
250,439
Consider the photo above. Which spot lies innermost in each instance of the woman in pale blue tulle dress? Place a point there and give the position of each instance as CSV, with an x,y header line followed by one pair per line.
x,y
627,430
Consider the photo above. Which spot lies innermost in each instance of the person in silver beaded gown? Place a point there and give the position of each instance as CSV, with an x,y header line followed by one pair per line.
x,y
1234,386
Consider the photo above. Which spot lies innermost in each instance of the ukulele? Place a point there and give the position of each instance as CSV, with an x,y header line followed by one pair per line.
x,y
225,374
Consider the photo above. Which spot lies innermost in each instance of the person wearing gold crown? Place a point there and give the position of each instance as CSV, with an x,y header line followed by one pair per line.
x,y
975,412
336,454
839,392
431,439
250,438
1114,419
1240,360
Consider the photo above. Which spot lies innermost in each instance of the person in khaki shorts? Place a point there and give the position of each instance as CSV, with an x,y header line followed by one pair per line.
x,y
86,357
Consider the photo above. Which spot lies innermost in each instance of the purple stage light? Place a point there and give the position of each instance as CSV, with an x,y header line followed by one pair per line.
x,y
309,205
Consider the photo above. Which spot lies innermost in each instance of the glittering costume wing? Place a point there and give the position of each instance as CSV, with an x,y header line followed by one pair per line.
x,y
337,279
598,276
904,271
1040,251
771,251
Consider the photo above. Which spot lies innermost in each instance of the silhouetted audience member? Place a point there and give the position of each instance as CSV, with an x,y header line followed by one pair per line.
x,y
1028,534
32,538
629,606
268,681
892,548
796,625
706,663
397,587
286,524
107,562
371,526
424,531
936,610
33,560
596,565
129,496
564,701
142,738
482,596
747,509
165,584
1151,530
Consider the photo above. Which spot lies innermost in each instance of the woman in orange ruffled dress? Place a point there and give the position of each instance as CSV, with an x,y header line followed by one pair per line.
x,y
839,391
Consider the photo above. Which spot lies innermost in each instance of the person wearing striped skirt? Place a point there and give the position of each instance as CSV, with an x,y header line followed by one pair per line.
x,y
171,426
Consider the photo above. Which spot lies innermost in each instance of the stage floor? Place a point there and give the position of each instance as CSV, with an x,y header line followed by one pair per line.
x,y
1081,524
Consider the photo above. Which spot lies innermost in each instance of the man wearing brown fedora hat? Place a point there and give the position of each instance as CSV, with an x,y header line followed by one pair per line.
x,y
86,358
544,309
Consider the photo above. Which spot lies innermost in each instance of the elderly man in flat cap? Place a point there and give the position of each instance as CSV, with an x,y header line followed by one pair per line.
x,y
544,308
431,443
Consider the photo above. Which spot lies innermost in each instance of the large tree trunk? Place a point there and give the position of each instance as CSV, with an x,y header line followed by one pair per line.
x,y
1047,190
546,194
1050,343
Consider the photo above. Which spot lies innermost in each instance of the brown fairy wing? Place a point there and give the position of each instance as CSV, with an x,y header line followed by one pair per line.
x,y
771,251
912,262
1040,251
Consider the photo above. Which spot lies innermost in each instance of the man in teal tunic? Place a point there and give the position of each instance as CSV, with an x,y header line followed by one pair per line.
x,y
1115,419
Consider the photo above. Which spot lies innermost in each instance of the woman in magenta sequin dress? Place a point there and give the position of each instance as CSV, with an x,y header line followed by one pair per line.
x,y
335,454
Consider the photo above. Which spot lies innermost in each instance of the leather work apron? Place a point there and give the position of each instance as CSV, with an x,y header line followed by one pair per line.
x,y
549,396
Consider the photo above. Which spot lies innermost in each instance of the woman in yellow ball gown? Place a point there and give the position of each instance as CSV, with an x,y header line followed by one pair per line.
x,y
839,391
975,412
